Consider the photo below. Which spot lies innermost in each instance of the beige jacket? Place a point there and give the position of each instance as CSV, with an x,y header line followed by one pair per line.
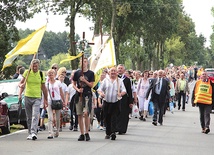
x,y
178,84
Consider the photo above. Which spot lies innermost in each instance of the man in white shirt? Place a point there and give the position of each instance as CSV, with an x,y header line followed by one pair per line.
x,y
111,90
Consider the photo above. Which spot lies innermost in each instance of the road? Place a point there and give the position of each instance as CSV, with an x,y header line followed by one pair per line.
x,y
179,135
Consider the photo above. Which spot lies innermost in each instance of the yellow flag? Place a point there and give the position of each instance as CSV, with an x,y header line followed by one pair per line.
x,y
71,58
26,46
97,76
8,62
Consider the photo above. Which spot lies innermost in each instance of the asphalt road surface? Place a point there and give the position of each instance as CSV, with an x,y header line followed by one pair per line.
x,y
179,135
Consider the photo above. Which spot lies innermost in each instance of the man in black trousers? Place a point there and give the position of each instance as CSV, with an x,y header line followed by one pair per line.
x,y
160,91
126,102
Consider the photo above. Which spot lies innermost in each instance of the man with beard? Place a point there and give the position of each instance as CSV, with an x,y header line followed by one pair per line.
x,y
126,101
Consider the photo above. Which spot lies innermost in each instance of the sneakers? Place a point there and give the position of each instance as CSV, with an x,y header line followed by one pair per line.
x,y
81,138
141,118
75,129
98,126
154,123
42,128
107,137
87,137
207,130
56,135
71,127
29,137
50,137
34,137
113,136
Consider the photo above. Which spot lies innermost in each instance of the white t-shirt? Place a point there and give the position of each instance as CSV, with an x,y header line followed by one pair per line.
x,y
71,91
54,91
64,88
20,76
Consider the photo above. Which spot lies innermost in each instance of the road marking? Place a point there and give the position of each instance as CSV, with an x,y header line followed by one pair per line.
x,y
3,136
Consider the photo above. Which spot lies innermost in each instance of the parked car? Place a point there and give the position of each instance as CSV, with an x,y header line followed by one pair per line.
x,y
4,118
209,70
10,89
210,73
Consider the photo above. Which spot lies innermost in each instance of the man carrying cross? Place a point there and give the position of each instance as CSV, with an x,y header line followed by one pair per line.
x,y
83,81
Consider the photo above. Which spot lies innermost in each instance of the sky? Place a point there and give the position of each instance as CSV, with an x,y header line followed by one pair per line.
x,y
199,11
56,23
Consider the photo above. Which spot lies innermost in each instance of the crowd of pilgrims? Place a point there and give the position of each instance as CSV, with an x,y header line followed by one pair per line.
x,y
137,84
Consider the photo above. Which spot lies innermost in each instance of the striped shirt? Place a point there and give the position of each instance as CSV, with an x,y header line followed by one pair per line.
x,y
110,89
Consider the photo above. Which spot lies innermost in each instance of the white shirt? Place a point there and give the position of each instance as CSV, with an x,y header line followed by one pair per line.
x,y
110,89
71,91
20,76
64,88
159,82
55,88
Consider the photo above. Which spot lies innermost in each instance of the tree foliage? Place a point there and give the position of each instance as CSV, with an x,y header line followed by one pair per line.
x,y
10,12
150,34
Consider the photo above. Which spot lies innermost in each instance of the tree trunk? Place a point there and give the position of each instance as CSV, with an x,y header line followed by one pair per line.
x,y
112,34
161,56
139,65
157,59
72,51
113,17
97,25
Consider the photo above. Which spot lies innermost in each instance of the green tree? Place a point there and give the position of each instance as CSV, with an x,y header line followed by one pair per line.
x,y
173,48
59,57
10,12
211,50
65,7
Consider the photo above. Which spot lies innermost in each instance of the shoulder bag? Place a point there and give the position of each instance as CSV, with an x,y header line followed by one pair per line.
x,y
55,104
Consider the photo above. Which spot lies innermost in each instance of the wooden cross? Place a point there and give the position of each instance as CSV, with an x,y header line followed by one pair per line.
x,y
82,46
